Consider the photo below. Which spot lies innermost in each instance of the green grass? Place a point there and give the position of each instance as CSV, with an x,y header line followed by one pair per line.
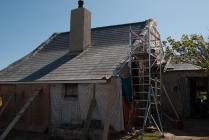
x,y
151,136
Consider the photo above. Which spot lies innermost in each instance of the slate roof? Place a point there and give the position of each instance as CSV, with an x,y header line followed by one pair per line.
x,y
52,60
182,67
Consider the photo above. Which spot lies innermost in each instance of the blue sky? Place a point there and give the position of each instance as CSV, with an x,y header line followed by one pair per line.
x,y
24,24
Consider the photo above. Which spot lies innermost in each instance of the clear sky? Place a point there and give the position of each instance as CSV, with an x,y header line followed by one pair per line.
x,y
25,24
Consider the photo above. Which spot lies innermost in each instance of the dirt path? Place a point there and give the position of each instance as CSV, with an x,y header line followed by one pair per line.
x,y
169,136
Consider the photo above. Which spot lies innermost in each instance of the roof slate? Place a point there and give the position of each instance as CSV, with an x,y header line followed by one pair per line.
x,y
52,60
94,63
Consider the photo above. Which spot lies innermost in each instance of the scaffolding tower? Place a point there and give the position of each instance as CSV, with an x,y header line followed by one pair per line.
x,y
145,69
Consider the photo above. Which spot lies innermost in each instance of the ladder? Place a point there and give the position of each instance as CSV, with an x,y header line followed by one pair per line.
x,y
146,84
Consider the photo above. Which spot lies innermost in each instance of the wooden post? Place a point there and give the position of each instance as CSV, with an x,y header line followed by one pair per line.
x,y
92,106
108,116
172,106
19,115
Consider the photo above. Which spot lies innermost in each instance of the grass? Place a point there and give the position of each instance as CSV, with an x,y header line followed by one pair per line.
x,y
151,136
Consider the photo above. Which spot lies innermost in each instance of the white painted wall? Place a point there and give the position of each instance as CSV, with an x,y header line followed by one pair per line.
x,y
65,110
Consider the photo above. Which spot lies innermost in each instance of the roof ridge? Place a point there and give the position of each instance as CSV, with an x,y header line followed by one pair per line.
x,y
117,25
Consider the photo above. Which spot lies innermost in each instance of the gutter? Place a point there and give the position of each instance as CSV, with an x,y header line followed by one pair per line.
x,y
102,81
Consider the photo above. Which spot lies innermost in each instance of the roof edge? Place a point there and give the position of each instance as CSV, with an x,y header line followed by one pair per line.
x,y
33,52
152,21
57,82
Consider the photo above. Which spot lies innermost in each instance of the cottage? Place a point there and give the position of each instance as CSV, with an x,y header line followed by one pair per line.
x,y
75,70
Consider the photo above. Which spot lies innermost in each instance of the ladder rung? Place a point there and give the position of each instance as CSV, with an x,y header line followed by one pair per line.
x,y
141,76
140,68
143,100
155,80
145,75
155,73
155,88
138,94
142,92
135,68
152,59
140,116
141,84
141,108
141,80
145,84
140,100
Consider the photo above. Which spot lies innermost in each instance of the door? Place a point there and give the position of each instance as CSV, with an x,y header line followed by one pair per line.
x,y
199,97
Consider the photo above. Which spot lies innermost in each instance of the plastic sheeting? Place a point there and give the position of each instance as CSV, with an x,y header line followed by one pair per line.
x,y
127,90
65,110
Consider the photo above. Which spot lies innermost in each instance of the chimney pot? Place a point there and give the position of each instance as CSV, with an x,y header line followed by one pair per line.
x,y
80,4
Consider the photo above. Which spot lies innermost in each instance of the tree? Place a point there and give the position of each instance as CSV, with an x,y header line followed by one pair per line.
x,y
190,49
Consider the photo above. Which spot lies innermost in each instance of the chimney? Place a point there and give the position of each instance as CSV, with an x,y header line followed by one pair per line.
x,y
80,28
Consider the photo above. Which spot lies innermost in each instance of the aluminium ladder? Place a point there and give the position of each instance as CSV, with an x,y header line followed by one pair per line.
x,y
146,80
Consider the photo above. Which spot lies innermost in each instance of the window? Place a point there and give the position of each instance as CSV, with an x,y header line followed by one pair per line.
x,y
71,90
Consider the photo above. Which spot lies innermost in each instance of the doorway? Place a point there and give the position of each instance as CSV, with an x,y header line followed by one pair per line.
x,y
199,101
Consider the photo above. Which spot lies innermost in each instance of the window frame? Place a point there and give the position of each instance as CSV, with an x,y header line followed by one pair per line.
x,y
71,90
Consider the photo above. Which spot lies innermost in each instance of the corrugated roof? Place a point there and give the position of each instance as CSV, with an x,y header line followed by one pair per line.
x,y
182,67
52,61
